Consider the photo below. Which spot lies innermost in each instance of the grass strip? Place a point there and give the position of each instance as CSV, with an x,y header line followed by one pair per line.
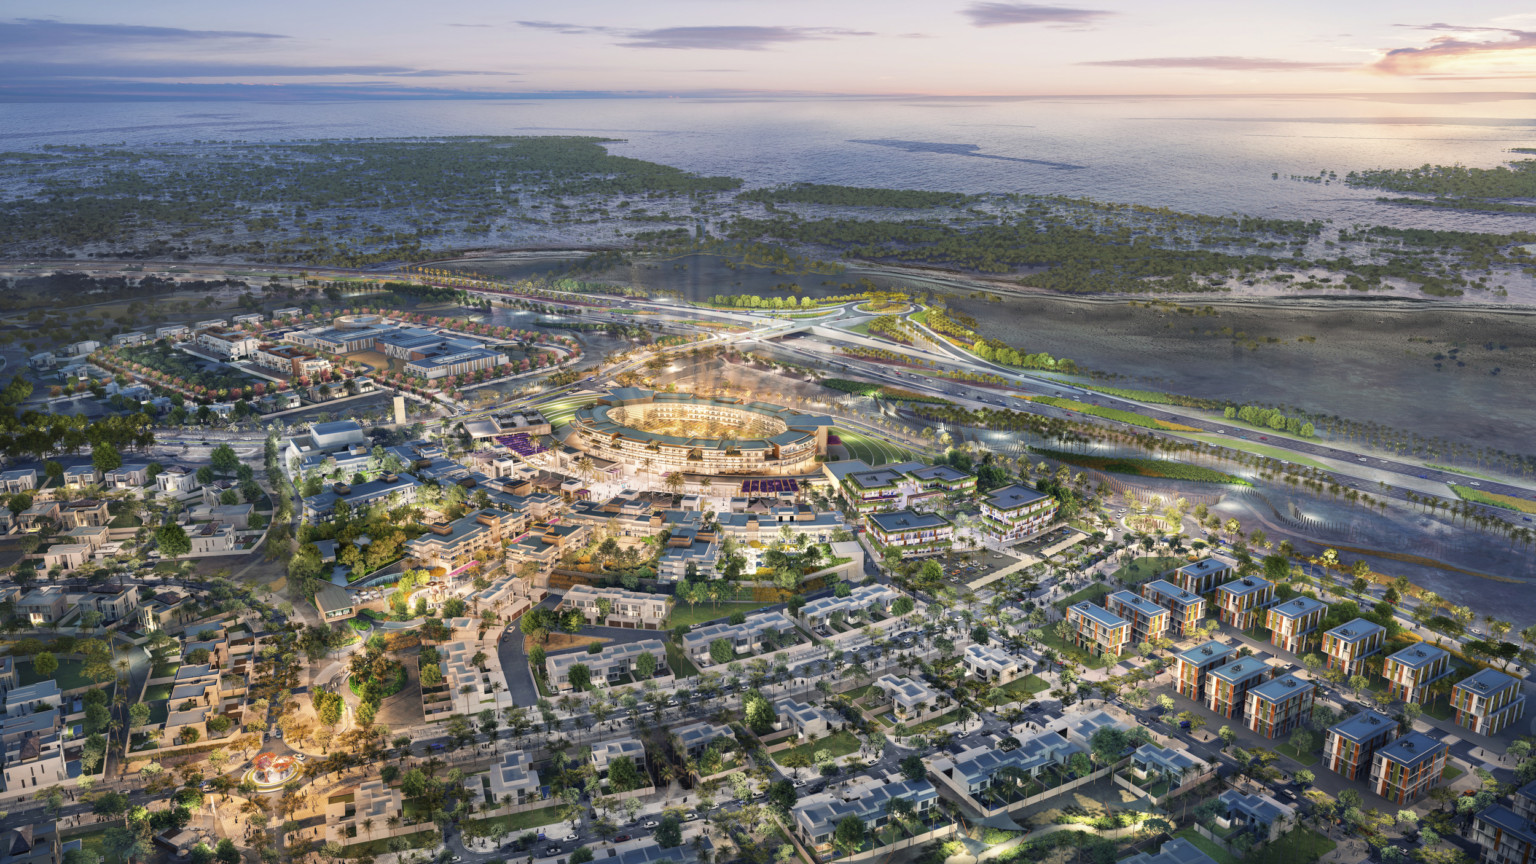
x,y
1144,467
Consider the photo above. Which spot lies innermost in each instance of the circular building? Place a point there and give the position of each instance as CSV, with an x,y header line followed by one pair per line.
x,y
697,435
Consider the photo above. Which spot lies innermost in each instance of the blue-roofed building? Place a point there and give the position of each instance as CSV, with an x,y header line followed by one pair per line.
x,y
911,532
398,488
1175,851
1487,701
1409,672
912,701
1506,836
1185,610
1202,577
1192,665
1241,602
1350,744
1150,765
1406,769
1149,621
1260,814
1227,686
975,770
1293,623
1348,645
1278,706
1098,630
1015,513
815,818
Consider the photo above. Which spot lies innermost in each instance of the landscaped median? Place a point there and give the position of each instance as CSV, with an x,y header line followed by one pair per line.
x,y
1092,410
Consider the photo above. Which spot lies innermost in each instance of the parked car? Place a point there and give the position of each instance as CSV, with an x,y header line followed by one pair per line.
x,y
652,823
621,838
552,851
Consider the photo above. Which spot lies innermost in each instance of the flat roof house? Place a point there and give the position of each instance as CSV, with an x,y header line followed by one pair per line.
x,y
1241,602
1260,814
1098,630
912,701
1176,850
1278,706
322,507
1185,609
514,779
815,818
1347,645
1172,765
1292,623
1350,744
807,721
912,532
1149,621
986,663
1226,687
1409,672
1407,768
1192,665
1487,702
474,538
858,603
1202,577
759,632
625,608
604,752
695,737
607,667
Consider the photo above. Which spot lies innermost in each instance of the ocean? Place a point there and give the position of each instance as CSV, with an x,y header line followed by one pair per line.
x,y
1203,155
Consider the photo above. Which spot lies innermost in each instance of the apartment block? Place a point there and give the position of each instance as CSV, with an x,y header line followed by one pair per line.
x,y
1202,577
1241,602
290,360
475,538
1226,687
1014,513
1409,672
1349,644
1406,769
1185,609
1506,836
1149,621
1350,744
1098,630
911,532
1293,623
1487,702
1192,666
227,344
1278,706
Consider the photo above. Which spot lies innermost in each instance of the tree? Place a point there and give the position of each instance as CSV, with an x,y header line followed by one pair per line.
x,y
623,776
173,541
1304,777
224,460
782,797
758,714
669,834
105,458
579,676
721,651
1228,736
45,664
645,666
912,767
849,835
581,855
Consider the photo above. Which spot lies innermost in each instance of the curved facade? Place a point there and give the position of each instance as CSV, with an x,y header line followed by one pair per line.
x,y
695,435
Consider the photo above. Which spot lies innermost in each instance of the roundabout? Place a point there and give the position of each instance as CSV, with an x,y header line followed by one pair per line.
x,y
270,771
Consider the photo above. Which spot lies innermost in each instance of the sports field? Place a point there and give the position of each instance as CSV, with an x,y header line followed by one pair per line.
x,y
873,451
559,411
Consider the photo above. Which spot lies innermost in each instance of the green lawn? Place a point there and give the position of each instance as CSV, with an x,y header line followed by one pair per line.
x,y
1023,688
94,844
1307,758
692,615
1451,772
838,744
1221,855
1280,453
518,822
401,679
67,675
858,693
927,726
873,451
1297,846
1440,709
374,848
682,667
165,669
1048,637
1092,593
1143,569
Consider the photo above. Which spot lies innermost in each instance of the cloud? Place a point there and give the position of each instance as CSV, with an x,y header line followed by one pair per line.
x,y
1004,14
731,38
1451,54
567,29
35,33
184,69
1225,64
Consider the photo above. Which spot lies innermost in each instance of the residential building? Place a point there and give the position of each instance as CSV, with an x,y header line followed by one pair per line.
x,y
133,476
176,480
625,608
1276,707
211,322
815,818
1406,769
1173,766
912,700
1175,850
1241,602
912,532
760,632
695,738
114,602
212,538
36,843
860,603
398,488
1226,687
18,480
1487,702
1191,667
33,698
227,344
1014,513
807,721
610,666
975,769
287,312
1292,623
246,319
166,609
65,557
1260,814
1098,630
45,605
604,752
514,780
897,486
1409,672
990,664
34,760
473,539
1350,744
1149,621
1347,645
173,332
1185,609
86,512
290,361
1506,836
1201,577
688,547
81,476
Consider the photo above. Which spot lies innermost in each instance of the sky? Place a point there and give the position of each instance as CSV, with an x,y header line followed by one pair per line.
x,y
83,49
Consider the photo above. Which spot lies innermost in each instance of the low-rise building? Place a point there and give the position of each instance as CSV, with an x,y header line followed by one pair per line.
x,y
1241,602
1171,765
33,698
989,664
290,361
1185,609
114,602
45,605
1191,667
1487,702
18,480
858,604
1277,707
1409,672
514,780
1350,744
212,538
760,632
623,608
695,738
1259,814
912,700
1098,630
912,532
227,344
604,752
398,488
334,603
1506,835
1293,623
84,513
807,721
1227,686
1149,621
176,480
1347,645
815,818
173,332
1201,577
81,476
1175,850
1404,770
608,667
1015,513
33,761
475,538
